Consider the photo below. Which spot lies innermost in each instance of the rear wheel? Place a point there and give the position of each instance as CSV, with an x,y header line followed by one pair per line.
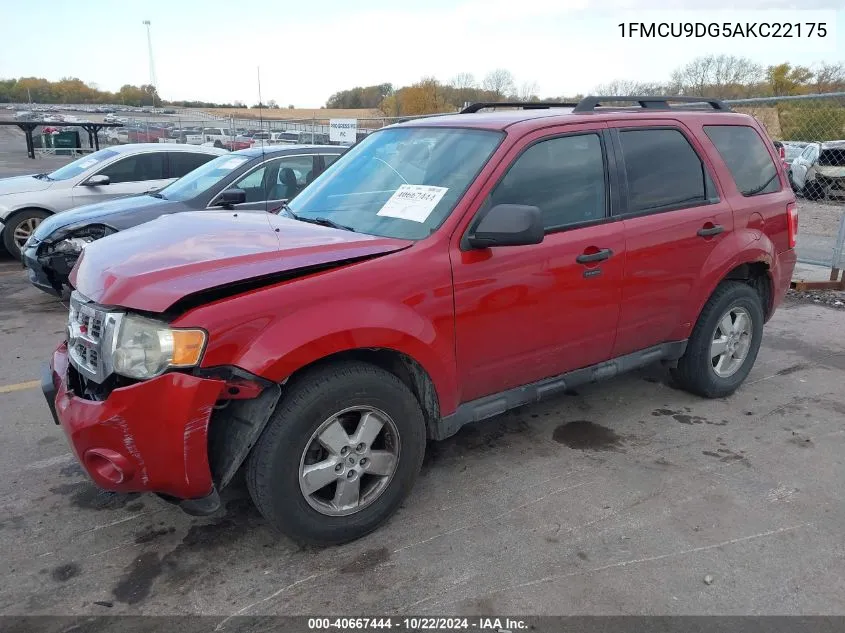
x,y
341,452
19,228
724,343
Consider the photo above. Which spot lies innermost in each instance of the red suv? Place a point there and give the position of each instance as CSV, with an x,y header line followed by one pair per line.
x,y
442,271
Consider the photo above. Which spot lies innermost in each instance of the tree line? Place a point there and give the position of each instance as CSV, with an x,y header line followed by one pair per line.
x,y
713,76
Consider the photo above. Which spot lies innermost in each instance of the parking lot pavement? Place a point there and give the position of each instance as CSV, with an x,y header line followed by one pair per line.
x,y
617,499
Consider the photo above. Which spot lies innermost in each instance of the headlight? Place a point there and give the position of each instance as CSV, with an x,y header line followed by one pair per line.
x,y
72,245
145,348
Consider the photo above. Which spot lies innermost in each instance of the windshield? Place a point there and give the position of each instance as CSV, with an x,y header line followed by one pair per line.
x,y
72,170
399,182
793,151
202,178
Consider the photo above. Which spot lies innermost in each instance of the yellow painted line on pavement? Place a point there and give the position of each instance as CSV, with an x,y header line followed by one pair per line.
x,y
29,384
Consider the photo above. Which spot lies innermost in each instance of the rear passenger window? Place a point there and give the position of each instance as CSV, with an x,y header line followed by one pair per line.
x,y
563,176
747,158
182,163
663,171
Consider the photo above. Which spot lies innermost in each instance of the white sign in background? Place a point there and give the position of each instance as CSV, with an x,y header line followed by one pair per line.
x,y
343,130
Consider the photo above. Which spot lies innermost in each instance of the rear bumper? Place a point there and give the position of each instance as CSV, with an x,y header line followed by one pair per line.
x,y
148,437
784,266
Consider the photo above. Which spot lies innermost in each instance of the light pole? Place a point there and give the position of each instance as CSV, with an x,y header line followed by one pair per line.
x,y
152,65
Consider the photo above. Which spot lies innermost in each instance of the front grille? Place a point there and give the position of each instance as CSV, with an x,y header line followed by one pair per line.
x,y
89,330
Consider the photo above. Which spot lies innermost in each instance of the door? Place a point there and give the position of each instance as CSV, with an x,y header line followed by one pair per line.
x,y
275,181
129,176
674,218
523,313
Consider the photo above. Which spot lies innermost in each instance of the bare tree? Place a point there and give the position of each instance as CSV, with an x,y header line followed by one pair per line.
x,y
465,86
721,76
528,90
829,77
625,88
499,82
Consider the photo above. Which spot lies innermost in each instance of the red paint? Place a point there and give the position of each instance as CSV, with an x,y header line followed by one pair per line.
x,y
477,322
156,431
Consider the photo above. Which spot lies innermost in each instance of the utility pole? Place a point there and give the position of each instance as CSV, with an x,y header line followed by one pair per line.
x,y
152,65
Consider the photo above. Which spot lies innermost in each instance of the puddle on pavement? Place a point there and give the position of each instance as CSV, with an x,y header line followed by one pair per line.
x,y
584,435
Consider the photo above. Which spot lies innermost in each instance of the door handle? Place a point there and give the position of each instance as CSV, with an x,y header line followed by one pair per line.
x,y
598,256
710,231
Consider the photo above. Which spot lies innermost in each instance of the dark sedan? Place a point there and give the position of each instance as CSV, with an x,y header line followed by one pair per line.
x,y
259,179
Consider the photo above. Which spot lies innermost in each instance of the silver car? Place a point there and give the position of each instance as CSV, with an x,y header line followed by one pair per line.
x,y
115,172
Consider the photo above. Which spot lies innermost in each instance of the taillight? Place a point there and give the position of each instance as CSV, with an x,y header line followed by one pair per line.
x,y
782,152
792,223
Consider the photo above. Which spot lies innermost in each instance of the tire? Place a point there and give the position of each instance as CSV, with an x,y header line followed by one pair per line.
x,y
218,144
695,371
287,445
27,219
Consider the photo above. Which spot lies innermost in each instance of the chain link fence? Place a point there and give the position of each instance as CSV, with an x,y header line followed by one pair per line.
x,y
810,129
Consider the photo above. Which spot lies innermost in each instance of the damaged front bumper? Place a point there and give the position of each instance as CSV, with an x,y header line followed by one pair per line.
x,y
151,436
48,273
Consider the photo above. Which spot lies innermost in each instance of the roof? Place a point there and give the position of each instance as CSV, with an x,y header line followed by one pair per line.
x,y
503,119
139,148
281,149
833,145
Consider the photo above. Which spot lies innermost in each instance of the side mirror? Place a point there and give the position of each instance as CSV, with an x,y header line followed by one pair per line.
x,y
97,181
507,225
231,197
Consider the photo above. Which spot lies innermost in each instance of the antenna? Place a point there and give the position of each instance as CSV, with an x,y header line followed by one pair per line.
x,y
152,65
261,140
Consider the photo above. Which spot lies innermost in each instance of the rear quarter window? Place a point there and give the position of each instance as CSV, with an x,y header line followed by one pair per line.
x,y
746,157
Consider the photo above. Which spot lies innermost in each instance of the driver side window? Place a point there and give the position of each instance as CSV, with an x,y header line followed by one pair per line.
x,y
137,168
277,179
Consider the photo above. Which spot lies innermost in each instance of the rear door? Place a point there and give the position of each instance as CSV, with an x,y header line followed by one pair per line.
x,y
674,218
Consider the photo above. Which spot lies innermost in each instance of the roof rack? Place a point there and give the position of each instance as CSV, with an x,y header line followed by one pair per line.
x,y
525,105
589,104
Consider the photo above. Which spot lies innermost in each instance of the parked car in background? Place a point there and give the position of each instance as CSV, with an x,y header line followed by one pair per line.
x,y
441,272
819,171
117,135
122,170
250,180
146,133
217,136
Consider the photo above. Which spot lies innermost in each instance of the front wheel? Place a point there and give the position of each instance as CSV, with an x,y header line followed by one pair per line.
x,y
338,456
724,343
19,228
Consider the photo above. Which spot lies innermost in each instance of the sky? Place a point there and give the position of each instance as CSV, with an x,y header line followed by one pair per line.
x,y
212,50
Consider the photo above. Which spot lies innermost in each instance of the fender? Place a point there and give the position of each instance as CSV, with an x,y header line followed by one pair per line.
x,y
276,348
744,246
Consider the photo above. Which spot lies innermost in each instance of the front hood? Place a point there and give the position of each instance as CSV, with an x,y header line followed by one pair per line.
x,y
152,266
831,171
106,212
23,184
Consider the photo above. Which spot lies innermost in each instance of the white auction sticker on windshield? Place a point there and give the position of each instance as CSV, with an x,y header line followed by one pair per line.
x,y
90,162
413,202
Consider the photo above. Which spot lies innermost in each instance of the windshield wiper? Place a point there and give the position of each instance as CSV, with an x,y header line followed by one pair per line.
x,y
757,190
42,177
156,194
321,221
